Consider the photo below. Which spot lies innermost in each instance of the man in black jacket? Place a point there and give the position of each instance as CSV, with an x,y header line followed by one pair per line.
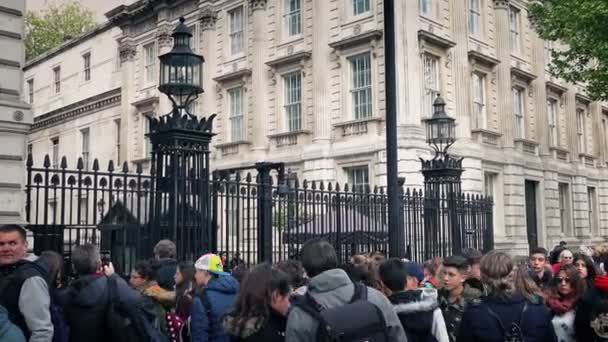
x,y
86,300
417,308
539,270
165,264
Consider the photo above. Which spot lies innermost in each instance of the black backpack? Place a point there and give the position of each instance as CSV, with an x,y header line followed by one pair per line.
x,y
128,323
337,324
513,332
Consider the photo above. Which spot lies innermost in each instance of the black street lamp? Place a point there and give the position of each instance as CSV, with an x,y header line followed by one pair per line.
x,y
181,70
440,129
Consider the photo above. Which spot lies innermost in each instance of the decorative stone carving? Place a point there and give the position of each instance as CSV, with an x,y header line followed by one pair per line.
x,y
290,50
163,35
127,51
208,19
257,5
501,4
18,116
357,29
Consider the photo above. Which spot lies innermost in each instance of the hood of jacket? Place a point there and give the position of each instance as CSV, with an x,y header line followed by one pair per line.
x,y
88,291
329,281
415,301
473,289
224,284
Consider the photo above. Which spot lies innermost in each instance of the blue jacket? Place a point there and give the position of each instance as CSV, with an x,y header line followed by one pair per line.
x,y
9,331
206,323
479,325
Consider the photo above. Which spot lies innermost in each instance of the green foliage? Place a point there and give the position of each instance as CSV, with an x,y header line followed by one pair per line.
x,y
52,26
581,27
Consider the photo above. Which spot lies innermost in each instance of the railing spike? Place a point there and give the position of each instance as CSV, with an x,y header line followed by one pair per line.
x,y
313,185
47,161
80,164
30,160
337,187
64,163
111,166
125,167
329,187
95,164
139,169
321,185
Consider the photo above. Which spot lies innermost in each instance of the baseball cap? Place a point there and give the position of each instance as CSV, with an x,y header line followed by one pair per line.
x,y
212,263
414,270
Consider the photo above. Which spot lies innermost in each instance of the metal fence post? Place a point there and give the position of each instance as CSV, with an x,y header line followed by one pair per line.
x,y
264,212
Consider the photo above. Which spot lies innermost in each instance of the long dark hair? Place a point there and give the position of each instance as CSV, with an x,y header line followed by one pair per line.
x,y
255,295
591,269
53,262
578,284
187,270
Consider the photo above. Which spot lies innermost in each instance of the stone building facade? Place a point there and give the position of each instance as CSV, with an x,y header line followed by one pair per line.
x,y
15,114
302,82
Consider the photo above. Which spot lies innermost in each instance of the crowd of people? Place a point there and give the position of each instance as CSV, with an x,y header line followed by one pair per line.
x,y
558,296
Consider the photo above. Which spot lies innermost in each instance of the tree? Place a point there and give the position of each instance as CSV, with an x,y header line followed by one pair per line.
x,y
54,25
580,28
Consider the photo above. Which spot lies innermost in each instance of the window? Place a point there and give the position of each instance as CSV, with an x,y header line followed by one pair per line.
x,y
117,140
293,101
293,17
236,114
479,100
236,30
425,7
150,63
148,145
518,111
489,180
361,86
593,212
514,23
564,207
552,122
360,6
30,91
430,65
475,16
86,59
358,178
57,79
86,139
581,130
55,146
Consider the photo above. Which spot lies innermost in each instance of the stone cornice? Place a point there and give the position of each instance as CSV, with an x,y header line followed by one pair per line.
x,y
431,38
257,5
359,39
289,59
556,87
522,74
481,58
239,74
11,11
163,35
87,106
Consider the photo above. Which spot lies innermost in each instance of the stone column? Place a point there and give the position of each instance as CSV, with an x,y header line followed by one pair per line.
x,y
539,90
15,115
259,74
595,111
127,52
321,56
413,88
570,112
461,70
503,71
208,50
164,43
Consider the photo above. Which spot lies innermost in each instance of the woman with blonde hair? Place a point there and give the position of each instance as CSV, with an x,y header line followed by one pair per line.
x,y
504,314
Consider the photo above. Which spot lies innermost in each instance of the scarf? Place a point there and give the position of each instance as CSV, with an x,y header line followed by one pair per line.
x,y
601,283
561,305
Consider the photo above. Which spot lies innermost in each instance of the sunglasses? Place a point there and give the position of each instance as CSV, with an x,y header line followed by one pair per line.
x,y
562,280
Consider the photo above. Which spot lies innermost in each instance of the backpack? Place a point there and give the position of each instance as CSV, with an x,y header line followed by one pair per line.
x,y
598,318
513,332
126,323
336,324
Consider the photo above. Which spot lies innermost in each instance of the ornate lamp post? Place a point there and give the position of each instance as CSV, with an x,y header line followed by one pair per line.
x,y
180,207
181,74
442,185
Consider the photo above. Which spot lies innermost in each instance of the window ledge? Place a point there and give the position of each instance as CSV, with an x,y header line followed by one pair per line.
x,y
482,58
288,138
231,147
527,146
487,137
289,59
239,74
357,127
587,159
559,152
435,40
358,39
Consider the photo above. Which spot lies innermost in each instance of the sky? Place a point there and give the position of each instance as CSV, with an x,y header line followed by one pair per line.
x,y
100,7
